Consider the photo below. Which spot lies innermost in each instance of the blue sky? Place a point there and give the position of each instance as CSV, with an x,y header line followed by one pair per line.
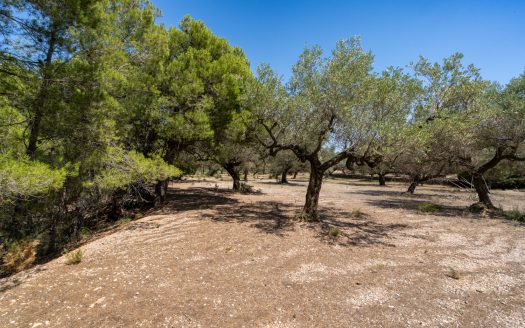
x,y
491,34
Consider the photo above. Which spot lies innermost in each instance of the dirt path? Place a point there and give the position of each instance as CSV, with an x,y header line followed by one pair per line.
x,y
215,259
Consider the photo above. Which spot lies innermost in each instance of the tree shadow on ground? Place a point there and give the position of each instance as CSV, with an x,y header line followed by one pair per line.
x,y
141,226
279,218
351,182
416,205
295,183
266,216
6,283
391,193
405,195
196,198
355,230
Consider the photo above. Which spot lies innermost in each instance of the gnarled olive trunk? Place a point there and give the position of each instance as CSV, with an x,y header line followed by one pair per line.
x,y
234,174
479,182
382,181
313,191
482,190
413,184
284,174
246,175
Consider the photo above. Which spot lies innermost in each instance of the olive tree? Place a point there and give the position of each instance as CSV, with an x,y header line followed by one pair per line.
x,y
498,136
392,98
450,106
324,104
283,163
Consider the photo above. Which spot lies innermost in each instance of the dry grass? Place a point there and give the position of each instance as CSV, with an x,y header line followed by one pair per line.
x,y
20,256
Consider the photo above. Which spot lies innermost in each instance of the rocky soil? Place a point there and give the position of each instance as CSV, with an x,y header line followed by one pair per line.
x,y
212,258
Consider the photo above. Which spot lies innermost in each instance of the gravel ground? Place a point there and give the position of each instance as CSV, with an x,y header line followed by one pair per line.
x,y
212,258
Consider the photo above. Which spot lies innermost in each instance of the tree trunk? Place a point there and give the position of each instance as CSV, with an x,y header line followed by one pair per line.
x,y
479,181
52,235
382,181
413,185
234,175
34,131
40,100
312,193
161,189
482,190
246,175
295,175
14,227
284,176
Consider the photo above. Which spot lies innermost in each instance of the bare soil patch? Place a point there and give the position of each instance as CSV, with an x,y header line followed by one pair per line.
x,y
212,258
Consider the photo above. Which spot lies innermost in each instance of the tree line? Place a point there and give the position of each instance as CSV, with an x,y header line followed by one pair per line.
x,y
101,106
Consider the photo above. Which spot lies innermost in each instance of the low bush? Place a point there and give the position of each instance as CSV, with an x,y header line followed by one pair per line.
x,y
306,217
477,208
515,215
429,207
74,257
357,213
452,273
334,232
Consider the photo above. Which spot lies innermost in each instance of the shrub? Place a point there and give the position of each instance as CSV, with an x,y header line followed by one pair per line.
x,y
477,208
334,232
429,207
20,255
306,217
357,213
453,274
246,188
74,257
124,221
515,215
85,234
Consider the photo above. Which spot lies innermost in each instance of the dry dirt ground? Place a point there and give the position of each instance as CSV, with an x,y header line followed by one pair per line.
x,y
211,258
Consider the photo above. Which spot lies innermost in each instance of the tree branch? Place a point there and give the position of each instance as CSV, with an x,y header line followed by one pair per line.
x,y
337,158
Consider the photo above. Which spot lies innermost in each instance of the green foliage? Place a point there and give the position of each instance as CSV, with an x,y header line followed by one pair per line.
x,y
285,162
477,208
123,168
24,179
515,215
90,116
100,106
450,104
85,234
429,207
74,257
124,221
